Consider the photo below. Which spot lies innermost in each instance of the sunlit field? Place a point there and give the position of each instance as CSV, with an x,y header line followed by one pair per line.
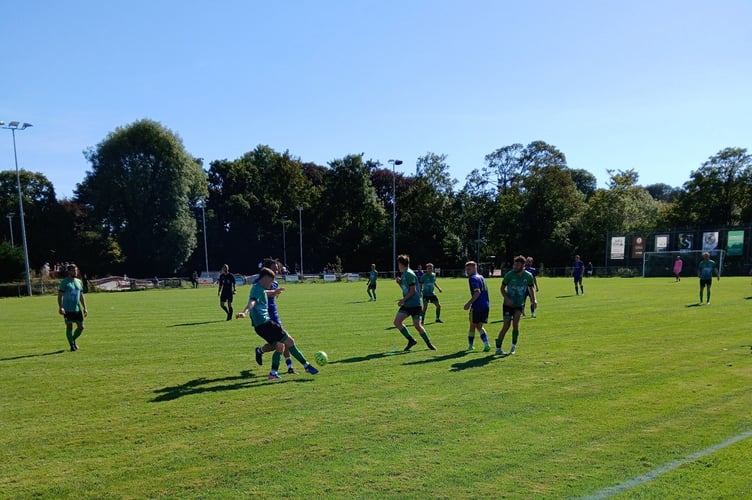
x,y
632,391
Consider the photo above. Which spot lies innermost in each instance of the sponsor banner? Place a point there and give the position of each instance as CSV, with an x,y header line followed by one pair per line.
x,y
638,247
617,247
685,242
661,242
735,244
710,240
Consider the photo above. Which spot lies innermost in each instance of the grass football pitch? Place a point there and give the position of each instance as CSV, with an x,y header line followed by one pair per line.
x,y
630,391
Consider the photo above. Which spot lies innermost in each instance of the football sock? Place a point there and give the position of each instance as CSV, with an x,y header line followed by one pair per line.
x,y
275,360
515,336
483,336
288,362
498,343
374,295
438,312
77,333
229,311
69,330
470,339
425,338
224,308
405,333
708,294
700,296
297,354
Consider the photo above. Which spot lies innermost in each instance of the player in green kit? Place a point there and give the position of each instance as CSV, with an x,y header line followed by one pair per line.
x,y
371,287
268,329
72,305
706,269
428,284
409,304
516,285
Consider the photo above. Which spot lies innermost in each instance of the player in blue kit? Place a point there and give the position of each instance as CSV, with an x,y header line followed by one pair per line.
x,y
478,305
578,269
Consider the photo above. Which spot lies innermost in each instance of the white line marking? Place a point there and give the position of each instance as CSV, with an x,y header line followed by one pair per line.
x,y
619,488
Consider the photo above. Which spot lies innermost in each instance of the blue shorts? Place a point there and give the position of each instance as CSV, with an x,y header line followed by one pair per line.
x,y
478,315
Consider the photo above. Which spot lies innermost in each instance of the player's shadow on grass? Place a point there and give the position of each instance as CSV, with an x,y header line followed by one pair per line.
x,y
359,301
445,357
245,380
747,298
369,357
696,304
475,362
565,296
198,323
13,358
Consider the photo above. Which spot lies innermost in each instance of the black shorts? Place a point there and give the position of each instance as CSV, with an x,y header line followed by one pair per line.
x,y
271,332
478,315
509,311
74,317
372,285
411,311
433,299
226,297
706,282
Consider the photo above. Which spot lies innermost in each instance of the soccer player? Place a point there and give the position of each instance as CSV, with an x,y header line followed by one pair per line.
x,y
532,270
226,290
678,265
409,304
428,283
72,305
577,269
706,269
271,295
515,286
268,329
371,287
478,305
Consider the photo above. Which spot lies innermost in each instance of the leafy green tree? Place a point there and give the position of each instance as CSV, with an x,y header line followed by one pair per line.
x,y
586,182
663,192
350,216
11,262
719,193
140,191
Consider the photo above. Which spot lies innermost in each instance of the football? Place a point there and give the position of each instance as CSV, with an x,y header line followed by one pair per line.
x,y
321,358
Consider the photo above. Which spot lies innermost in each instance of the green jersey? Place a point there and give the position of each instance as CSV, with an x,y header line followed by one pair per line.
x,y
705,269
429,283
373,276
71,289
260,312
409,278
517,286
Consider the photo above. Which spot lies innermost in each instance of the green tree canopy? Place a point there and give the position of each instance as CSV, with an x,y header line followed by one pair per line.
x,y
141,190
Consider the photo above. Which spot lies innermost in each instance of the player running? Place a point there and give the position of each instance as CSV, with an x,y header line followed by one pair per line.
x,y
409,304
268,329
275,266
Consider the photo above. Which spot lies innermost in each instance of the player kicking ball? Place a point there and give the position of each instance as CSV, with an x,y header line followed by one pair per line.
x,y
270,331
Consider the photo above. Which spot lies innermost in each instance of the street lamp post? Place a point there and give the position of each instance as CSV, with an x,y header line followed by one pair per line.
x,y
206,247
300,225
284,241
10,226
394,217
13,126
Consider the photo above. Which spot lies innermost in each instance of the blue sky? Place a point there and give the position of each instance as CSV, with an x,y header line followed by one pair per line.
x,y
655,86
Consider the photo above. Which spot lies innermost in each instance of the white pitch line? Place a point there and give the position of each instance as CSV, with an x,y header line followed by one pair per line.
x,y
619,488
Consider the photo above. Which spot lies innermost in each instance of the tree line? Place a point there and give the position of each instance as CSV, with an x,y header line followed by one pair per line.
x,y
141,207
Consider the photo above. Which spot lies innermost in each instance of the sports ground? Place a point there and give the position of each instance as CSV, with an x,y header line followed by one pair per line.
x,y
630,391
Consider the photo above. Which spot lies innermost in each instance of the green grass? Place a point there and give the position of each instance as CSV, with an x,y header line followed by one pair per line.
x,y
163,399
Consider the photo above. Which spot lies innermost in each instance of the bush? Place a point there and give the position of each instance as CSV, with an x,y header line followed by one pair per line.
x,y
11,262
627,272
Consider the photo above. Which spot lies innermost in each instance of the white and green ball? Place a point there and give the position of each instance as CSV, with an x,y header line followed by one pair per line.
x,y
321,358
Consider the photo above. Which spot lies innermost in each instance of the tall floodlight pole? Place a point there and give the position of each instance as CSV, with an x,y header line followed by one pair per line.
x,y
10,226
284,241
394,217
206,247
13,126
300,225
